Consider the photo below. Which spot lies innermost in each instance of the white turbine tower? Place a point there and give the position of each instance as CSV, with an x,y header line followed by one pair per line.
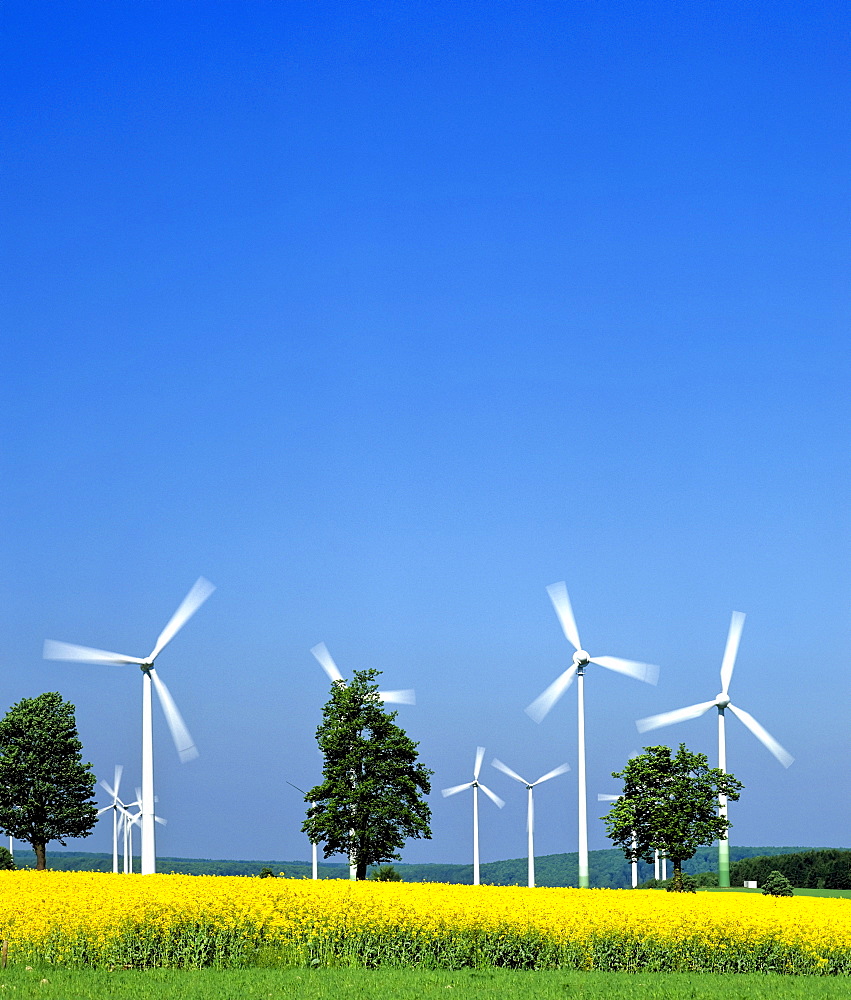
x,y
722,702
315,857
180,734
647,672
614,798
405,697
530,808
475,784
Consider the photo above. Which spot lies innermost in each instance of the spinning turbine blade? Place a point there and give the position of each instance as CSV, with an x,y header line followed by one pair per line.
x,y
544,702
183,742
607,798
669,718
507,770
647,672
190,604
54,650
455,789
763,736
480,756
119,770
737,622
497,801
561,602
320,651
556,771
404,697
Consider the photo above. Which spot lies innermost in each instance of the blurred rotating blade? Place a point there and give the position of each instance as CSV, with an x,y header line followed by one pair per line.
x,y
320,651
455,789
669,718
763,735
647,672
119,770
480,756
199,593
405,697
507,770
54,650
607,798
556,771
561,602
737,622
183,742
497,801
544,702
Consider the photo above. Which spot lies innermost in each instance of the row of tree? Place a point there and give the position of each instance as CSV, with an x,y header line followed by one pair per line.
x,y
830,869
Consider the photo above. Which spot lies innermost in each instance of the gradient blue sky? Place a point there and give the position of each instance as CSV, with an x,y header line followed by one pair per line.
x,y
385,316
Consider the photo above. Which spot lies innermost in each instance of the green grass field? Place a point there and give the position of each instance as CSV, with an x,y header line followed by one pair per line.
x,y
342,984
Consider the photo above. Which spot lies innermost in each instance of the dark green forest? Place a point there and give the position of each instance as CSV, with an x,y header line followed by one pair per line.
x,y
828,869
608,868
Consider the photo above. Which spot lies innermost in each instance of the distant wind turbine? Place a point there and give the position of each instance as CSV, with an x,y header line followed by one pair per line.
x,y
475,784
634,865
180,734
315,858
530,808
722,702
647,672
116,807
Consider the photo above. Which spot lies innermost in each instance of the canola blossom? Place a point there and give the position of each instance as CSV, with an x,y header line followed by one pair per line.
x,y
83,918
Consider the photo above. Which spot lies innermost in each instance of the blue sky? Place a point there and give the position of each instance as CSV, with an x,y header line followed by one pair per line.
x,y
385,316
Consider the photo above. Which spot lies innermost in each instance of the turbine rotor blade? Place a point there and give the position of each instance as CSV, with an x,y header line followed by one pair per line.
x,y
647,672
404,697
556,771
497,801
544,702
320,651
669,718
561,602
455,789
113,792
763,735
737,622
119,770
183,742
199,593
54,650
480,756
607,798
507,770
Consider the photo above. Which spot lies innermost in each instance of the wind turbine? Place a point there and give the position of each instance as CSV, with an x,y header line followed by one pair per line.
x,y
722,702
315,858
116,806
647,672
131,820
614,798
475,784
530,810
320,651
180,734
406,697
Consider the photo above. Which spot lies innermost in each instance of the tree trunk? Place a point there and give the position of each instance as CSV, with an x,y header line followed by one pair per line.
x,y
40,857
361,870
677,883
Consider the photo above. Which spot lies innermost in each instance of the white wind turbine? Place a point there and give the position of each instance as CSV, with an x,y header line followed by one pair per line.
x,y
180,734
405,697
614,798
722,702
647,672
116,806
475,784
315,857
530,809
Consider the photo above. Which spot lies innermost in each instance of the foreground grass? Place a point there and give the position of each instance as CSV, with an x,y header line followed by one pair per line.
x,y
400,984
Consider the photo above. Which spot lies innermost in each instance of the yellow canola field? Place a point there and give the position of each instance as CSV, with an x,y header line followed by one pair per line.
x,y
82,918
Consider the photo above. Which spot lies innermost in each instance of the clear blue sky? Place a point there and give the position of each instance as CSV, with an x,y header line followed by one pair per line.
x,y
385,316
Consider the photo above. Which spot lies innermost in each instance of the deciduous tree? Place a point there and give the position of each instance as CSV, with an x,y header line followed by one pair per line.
x,y
45,788
670,804
371,798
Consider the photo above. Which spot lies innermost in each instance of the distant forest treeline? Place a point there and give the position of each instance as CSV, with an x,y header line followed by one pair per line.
x,y
829,869
608,868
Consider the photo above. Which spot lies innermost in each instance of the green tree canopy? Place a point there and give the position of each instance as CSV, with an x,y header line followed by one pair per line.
x,y
670,804
370,800
45,788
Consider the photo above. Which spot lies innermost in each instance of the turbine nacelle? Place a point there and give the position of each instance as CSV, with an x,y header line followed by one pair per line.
x,y
581,658
722,701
